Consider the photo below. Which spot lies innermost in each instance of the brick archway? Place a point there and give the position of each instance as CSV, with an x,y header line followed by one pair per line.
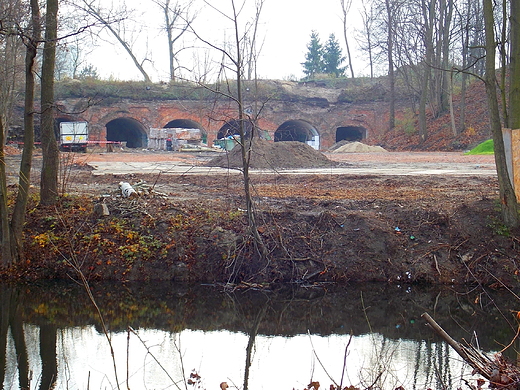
x,y
351,133
298,130
127,130
232,127
187,124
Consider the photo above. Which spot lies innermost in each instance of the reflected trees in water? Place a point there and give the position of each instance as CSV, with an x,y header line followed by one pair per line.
x,y
238,335
11,319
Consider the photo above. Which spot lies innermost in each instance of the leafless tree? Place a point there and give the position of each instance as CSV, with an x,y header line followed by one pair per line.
x,y
391,11
12,15
50,152
251,47
503,48
365,36
233,61
177,19
514,67
428,12
511,213
203,66
27,29
508,199
18,217
478,40
71,57
345,8
114,22
464,20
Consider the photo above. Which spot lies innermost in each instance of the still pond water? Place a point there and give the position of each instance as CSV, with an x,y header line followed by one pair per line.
x,y
161,334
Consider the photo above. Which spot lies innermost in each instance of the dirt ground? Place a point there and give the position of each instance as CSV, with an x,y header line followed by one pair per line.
x,y
317,228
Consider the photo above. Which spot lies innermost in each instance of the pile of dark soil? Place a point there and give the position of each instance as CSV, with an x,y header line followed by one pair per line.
x,y
279,155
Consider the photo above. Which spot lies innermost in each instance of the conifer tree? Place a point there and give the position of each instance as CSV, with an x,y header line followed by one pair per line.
x,y
314,57
333,58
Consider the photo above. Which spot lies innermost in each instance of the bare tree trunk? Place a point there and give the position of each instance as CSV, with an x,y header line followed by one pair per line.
x,y
345,7
391,75
507,195
125,45
9,76
251,343
445,46
253,52
5,314
48,341
169,33
20,207
428,11
452,111
18,334
245,146
514,72
4,210
368,17
50,152
176,23
503,62
465,44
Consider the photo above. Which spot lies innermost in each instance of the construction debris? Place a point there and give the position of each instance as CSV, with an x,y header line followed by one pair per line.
x,y
127,190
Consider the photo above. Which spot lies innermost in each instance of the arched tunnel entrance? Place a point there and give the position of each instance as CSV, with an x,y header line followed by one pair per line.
x,y
298,130
188,124
127,130
232,128
351,133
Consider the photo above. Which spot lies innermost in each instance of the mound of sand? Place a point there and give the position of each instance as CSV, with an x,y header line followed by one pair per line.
x,y
358,147
274,155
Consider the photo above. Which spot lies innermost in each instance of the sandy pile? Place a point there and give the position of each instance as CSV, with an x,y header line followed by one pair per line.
x,y
358,147
275,155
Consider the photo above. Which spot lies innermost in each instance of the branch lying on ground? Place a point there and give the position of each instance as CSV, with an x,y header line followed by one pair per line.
x,y
496,370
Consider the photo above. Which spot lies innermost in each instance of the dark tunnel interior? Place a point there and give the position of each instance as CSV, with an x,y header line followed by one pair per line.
x,y
295,130
232,127
127,130
183,124
351,133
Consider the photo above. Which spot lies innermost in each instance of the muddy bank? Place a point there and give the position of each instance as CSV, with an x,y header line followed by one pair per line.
x,y
317,228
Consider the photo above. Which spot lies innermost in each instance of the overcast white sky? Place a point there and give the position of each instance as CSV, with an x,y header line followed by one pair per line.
x,y
286,26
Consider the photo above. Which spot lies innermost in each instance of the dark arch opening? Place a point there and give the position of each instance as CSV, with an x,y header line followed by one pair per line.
x,y
351,133
183,124
127,130
188,124
298,130
232,128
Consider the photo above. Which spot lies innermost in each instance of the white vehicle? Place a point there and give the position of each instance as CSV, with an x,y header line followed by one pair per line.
x,y
73,136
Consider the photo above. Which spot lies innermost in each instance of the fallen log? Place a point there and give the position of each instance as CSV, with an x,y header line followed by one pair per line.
x,y
499,372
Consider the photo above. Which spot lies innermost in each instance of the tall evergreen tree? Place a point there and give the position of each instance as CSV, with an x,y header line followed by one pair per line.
x,y
333,58
314,58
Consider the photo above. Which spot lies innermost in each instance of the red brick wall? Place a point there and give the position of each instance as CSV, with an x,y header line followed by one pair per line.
x,y
211,115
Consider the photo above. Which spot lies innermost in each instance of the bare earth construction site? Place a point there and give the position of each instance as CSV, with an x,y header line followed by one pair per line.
x,y
392,216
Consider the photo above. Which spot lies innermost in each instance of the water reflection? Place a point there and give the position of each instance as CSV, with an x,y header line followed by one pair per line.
x,y
250,339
